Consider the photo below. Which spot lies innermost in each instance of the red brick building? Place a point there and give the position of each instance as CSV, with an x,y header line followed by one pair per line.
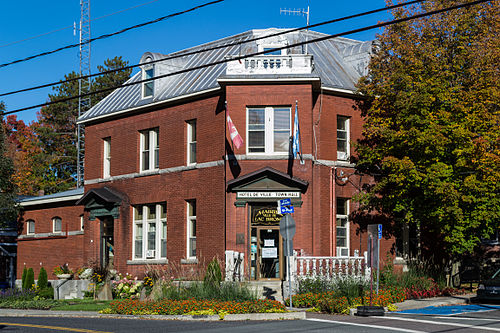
x,y
164,183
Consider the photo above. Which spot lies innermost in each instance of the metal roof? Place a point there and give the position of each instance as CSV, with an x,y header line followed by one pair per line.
x,y
338,62
69,195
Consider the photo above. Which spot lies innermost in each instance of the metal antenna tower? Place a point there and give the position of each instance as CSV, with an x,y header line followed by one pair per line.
x,y
83,86
300,11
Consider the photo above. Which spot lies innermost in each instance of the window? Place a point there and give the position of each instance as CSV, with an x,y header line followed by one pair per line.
x,y
150,231
150,149
342,227
268,130
342,138
82,226
106,158
148,73
30,227
191,141
56,224
191,229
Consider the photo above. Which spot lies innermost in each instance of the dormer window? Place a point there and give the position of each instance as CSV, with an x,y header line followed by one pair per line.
x,y
148,73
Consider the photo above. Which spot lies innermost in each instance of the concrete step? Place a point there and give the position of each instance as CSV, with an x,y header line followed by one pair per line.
x,y
272,287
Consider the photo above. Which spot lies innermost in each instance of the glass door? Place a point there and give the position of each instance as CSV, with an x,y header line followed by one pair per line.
x,y
269,253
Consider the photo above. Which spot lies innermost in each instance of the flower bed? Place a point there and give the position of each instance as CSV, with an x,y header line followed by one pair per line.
x,y
169,307
332,302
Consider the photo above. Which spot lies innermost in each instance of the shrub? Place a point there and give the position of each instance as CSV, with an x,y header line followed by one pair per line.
x,y
46,293
314,284
23,279
127,287
41,304
30,279
42,279
213,275
225,291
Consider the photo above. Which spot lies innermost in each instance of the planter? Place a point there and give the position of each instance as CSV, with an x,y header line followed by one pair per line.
x,y
63,276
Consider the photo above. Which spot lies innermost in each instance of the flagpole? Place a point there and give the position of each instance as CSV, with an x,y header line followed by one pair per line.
x,y
300,139
225,176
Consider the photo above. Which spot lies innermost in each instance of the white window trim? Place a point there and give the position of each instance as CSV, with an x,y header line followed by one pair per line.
x,y
347,231
145,224
344,156
268,130
54,225
106,168
82,226
153,137
28,223
189,142
143,76
190,218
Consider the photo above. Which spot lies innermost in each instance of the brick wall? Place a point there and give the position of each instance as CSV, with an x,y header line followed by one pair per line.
x,y
53,250
218,220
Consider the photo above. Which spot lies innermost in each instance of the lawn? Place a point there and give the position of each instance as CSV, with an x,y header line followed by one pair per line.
x,y
80,305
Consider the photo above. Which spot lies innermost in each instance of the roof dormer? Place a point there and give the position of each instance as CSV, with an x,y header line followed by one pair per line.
x,y
148,72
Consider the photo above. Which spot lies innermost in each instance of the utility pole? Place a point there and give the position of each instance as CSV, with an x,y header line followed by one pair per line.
x,y
300,11
83,86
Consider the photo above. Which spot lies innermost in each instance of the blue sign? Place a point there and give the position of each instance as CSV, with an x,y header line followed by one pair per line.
x,y
286,210
285,202
380,231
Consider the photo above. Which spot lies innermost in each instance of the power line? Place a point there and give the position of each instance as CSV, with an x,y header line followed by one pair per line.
x,y
178,55
72,26
320,39
111,34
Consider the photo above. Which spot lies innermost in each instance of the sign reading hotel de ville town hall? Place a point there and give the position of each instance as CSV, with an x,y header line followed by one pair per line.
x,y
267,195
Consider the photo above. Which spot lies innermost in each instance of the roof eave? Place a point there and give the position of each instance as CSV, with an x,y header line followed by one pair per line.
x,y
147,106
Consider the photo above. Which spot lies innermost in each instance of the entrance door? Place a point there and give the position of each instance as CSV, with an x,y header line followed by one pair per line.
x,y
268,253
107,242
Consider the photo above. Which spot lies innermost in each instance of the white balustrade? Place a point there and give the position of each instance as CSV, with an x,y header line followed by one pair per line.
x,y
271,64
330,267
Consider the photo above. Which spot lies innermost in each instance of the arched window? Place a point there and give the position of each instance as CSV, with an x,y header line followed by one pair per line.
x,y
148,72
57,224
30,227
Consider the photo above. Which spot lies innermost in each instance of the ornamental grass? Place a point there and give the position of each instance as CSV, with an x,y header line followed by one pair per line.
x,y
172,307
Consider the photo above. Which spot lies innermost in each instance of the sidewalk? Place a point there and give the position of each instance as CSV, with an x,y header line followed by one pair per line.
x,y
436,301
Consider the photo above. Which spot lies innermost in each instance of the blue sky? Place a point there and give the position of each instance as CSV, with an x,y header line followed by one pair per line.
x,y
19,21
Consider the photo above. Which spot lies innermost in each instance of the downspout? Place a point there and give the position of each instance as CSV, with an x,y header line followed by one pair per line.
x,y
331,213
333,199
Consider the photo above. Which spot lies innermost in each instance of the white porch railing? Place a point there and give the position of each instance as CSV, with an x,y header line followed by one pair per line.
x,y
234,266
271,64
331,267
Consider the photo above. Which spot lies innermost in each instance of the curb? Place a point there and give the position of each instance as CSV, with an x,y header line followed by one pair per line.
x,y
84,314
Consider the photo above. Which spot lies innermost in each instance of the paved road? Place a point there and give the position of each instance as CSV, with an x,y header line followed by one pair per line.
x,y
483,321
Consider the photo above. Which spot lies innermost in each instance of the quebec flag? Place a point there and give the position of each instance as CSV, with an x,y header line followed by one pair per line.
x,y
296,149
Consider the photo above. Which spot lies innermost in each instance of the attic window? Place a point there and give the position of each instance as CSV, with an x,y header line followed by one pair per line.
x,y
148,73
272,46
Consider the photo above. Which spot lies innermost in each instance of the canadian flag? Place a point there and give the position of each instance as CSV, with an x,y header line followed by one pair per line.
x,y
233,132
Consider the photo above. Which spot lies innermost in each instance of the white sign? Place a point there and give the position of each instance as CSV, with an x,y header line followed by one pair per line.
x,y
249,195
268,242
269,252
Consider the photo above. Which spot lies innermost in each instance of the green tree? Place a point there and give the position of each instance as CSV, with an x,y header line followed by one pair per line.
x,y
56,129
8,206
30,279
431,136
23,278
42,279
